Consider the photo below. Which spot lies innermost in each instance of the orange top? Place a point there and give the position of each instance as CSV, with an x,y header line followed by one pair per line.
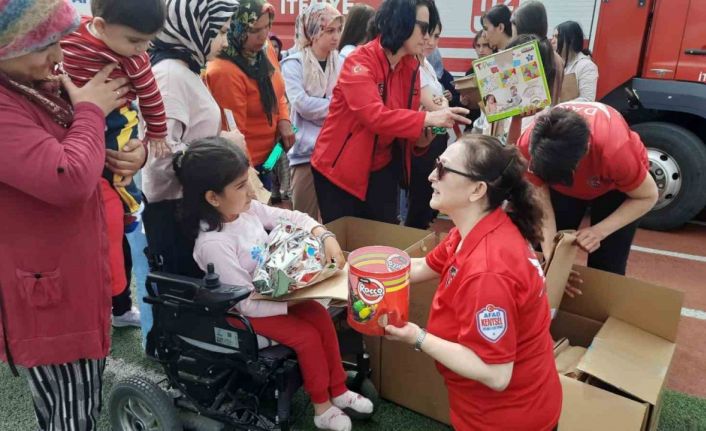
x,y
234,90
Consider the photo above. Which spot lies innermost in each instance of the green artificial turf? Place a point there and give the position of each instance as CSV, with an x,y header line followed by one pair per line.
x,y
679,413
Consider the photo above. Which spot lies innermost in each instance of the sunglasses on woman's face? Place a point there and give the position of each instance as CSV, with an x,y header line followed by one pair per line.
x,y
441,170
423,26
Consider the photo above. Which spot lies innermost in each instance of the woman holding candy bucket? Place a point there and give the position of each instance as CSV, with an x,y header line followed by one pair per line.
x,y
488,329
374,124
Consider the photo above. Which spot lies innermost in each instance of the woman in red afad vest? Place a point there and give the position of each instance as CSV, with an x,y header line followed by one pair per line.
x,y
374,123
488,329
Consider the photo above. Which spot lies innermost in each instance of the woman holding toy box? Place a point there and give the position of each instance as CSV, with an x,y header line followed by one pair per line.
x,y
488,329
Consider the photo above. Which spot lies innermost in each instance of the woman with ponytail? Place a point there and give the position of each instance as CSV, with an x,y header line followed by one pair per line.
x,y
488,328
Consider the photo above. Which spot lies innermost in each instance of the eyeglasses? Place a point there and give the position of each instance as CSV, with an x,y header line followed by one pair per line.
x,y
441,170
423,26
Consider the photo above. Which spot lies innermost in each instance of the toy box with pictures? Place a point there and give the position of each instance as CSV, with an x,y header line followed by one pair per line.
x,y
511,81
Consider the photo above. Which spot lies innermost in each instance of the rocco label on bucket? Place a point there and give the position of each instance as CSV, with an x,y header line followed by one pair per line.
x,y
378,284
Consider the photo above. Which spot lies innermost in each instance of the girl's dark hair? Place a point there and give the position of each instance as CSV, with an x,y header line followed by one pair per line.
x,y
503,169
531,18
355,29
570,39
546,51
396,20
208,164
500,14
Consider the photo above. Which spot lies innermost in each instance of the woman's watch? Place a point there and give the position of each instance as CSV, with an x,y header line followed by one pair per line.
x,y
420,339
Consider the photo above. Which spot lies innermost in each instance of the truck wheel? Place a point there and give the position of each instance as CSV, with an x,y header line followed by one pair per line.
x,y
137,404
678,165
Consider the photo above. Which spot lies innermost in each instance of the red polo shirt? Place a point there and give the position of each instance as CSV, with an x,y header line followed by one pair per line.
x,y
492,299
616,159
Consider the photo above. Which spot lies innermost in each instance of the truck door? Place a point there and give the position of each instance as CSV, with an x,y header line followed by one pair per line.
x,y
692,55
618,44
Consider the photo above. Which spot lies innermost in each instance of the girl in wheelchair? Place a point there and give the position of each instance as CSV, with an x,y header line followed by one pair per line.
x,y
230,227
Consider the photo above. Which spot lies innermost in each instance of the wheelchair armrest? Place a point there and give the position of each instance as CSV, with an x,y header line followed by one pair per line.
x,y
223,297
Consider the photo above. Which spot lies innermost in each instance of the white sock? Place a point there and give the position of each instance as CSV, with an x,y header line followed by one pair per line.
x,y
357,402
333,419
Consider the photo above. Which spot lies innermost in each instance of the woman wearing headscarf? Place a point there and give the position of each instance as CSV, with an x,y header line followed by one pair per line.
x,y
55,282
190,35
310,74
246,82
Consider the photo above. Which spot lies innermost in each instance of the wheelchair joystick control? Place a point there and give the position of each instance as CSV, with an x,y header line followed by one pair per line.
x,y
211,279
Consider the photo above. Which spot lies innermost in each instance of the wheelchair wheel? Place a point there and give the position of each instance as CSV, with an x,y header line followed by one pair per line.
x,y
366,389
137,404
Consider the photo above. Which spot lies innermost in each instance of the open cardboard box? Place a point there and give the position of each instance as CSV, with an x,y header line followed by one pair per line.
x,y
628,326
353,233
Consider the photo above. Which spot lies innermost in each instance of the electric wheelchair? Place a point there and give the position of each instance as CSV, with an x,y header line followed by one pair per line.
x,y
218,376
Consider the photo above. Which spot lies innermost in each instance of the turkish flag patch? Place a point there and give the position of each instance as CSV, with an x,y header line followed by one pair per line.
x,y
491,322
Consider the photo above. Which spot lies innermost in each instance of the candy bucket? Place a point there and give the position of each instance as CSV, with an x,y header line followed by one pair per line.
x,y
378,284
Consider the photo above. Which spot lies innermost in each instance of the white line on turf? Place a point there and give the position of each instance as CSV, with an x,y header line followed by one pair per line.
x,y
696,314
686,256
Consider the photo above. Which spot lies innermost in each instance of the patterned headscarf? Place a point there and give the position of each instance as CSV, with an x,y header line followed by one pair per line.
x,y
189,30
310,25
312,22
256,66
30,25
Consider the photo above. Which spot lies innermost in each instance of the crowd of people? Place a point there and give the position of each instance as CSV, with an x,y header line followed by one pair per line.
x,y
358,118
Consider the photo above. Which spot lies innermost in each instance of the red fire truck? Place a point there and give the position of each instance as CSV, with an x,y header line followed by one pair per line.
x,y
651,56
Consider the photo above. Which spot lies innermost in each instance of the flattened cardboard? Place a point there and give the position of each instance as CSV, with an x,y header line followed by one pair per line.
x,y
630,359
261,193
587,408
334,287
654,309
568,360
559,267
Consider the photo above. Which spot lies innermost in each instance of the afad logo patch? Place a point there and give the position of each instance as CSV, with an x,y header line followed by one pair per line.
x,y
492,323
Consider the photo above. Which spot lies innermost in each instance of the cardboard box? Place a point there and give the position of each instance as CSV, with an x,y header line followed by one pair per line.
x,y
628,326
410,378
353,233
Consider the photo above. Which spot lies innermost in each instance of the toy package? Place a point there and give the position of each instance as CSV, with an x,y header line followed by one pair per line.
x,y
292,259
512,80
378,283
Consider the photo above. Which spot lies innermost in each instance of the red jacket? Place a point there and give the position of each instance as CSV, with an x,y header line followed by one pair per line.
x,y
369,110
54,278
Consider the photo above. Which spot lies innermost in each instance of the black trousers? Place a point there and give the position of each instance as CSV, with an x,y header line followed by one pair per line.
x,y
613,254
419,191
381,200
168,247
122,303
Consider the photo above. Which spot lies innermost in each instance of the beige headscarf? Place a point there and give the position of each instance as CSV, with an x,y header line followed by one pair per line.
x,y
309,26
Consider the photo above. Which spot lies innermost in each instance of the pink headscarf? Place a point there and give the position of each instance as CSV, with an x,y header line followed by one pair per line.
x,y
310,25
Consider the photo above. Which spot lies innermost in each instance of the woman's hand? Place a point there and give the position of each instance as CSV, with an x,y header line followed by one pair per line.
x,y
127,161
333,252
589,239
107,95
573,285
407,334
284,127
446,117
